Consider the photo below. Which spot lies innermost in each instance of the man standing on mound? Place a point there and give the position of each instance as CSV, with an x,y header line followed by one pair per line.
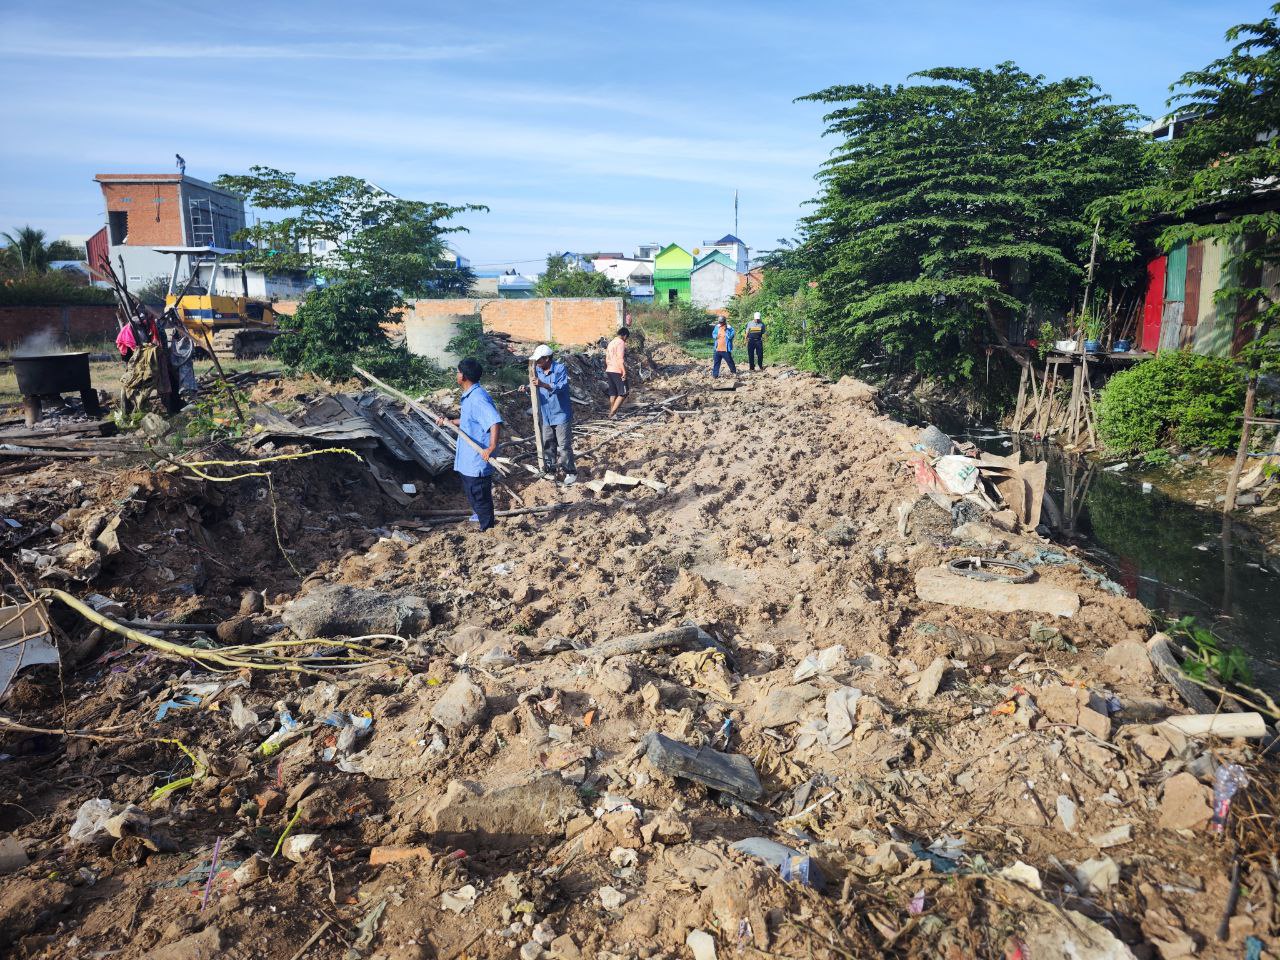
x,y
615,369
478,419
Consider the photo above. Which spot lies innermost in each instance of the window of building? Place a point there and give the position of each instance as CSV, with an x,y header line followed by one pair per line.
x,y
118,226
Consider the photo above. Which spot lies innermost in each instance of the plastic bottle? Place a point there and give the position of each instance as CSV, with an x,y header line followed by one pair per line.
x,y
1227,779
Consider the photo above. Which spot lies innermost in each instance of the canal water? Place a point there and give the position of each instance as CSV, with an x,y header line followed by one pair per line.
x,y
1174,557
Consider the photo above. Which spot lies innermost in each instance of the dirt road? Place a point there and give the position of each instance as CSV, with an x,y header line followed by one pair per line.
x,y
966,783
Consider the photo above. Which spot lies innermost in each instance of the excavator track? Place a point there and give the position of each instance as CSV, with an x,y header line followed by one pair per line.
x,y
243,343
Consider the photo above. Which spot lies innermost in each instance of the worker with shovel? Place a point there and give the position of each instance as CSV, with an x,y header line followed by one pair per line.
x,y
480,421
550,379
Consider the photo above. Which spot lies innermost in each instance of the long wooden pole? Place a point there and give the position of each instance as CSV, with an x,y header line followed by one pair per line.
x,y
1242,451
536,404
424,410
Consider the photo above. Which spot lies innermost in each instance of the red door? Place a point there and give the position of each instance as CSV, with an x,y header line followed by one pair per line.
x,y
1153,308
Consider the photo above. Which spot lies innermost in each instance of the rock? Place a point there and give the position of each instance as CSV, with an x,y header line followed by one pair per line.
x,y
251,602
1024,874
1170,939
624,827
269,801
667,828
338,610
235,630
729,772
205,945
299,845
930,678
1114,837
12,855
474,818
610,898
532,951
461,706
937,585
1127,662
702,944
253,869
300,790
1153,747
1067,813
786,705
935,441
543,934
1097,876
131,821
1185,803
615,675
564,947
1063,704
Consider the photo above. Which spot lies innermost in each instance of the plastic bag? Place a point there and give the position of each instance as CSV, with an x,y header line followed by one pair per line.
x,y
91,820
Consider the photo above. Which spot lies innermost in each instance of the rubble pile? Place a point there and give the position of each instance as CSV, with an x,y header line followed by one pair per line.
x,y
779,696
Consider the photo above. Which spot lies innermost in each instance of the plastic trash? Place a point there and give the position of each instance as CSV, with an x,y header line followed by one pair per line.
x,y
790,864
819,662
729,772
91,820
1227,780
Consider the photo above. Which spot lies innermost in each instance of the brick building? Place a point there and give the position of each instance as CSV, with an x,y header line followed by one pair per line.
x,y
146,210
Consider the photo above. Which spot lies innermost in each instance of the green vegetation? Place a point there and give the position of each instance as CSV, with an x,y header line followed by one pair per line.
x,y
953,205
50,290
1174,397
561,279
25,251
678,323
342,324
392,243
1208,660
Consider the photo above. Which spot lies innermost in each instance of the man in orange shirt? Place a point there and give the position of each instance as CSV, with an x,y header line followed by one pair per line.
x,y
615,369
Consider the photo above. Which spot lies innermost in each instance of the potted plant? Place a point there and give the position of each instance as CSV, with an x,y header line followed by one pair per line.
x,y
1092,326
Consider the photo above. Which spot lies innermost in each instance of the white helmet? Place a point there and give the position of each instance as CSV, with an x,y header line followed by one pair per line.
x,y
756,315
542,350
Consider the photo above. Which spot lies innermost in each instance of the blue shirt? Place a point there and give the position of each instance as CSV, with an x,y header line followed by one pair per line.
x,y
553,394
476,420
728,337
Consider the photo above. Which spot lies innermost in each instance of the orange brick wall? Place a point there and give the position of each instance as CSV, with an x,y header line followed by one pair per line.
x,y
575,321
138,200
70,324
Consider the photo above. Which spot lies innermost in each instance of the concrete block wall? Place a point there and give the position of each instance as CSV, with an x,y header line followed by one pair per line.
x,y
78,323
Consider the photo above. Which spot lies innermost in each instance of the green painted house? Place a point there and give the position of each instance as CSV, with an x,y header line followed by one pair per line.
x,y
672,267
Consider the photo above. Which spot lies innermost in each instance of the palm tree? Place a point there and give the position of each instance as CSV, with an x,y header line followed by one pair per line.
x,y
29,247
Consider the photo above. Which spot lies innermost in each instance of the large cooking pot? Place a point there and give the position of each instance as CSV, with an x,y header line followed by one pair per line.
x,y
52,373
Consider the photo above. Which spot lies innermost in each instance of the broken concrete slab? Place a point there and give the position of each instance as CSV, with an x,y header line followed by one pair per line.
x,y
1185,804
729,772
937,585
475,818
461,706
339,610
1128,662
1063,704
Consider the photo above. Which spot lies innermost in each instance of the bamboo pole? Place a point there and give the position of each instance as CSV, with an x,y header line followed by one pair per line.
x,y
535,403
1242,451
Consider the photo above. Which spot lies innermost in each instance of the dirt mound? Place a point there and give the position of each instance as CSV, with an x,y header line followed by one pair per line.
x,y
932,779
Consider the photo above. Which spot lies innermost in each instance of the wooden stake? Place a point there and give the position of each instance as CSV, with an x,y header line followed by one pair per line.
x,y
535,402
1242,451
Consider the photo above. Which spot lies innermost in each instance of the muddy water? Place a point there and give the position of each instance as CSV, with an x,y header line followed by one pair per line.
x,y
1175,557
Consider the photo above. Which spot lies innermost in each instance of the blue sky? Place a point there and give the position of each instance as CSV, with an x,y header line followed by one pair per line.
x,y
583,127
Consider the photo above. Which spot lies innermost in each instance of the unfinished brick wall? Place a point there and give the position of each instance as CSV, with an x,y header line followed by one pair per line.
x,y
69,325
155,215
572,321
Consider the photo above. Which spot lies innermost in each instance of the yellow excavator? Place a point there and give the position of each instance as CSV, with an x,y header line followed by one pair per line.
x,y
230,325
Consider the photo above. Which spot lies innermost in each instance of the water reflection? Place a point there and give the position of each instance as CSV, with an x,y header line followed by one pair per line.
x,y
1173,556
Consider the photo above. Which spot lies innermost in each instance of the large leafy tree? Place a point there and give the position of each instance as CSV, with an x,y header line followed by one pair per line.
x,y
344,227
563,279
952,206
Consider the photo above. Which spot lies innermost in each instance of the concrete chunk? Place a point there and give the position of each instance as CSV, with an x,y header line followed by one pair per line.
x,y
936,585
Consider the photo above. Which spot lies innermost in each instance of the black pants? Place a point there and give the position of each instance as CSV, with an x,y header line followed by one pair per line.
x,y
755,352
479,491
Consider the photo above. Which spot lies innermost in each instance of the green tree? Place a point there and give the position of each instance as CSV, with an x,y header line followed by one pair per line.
x,y
391,242
563,279
951,207
343,324
62,250
27,248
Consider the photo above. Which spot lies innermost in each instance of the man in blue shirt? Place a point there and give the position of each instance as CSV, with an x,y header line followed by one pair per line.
x,y
550,378
479,419
722,342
